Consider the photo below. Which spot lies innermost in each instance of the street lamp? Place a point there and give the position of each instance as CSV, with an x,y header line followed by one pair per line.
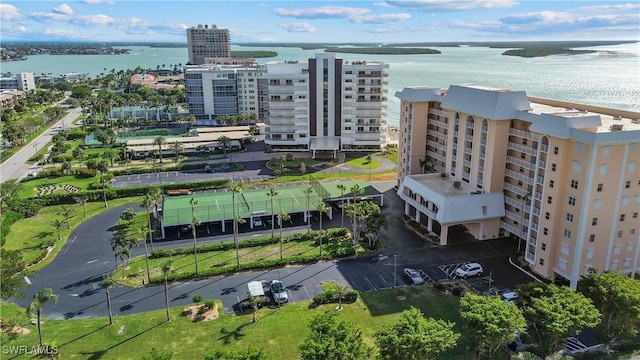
x,y
395,271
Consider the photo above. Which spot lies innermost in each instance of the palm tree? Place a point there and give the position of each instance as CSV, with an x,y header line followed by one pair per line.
x,y
177,148
166,270
340,291
355,191
78,154
58,225
66,213
254,301
40,298
107,284
271,194
224,141
42,159
144,231
194,222
238,220
82,200
283,217
123,253
307,193
159,141
236,190
368,160
322,209
148,200
303,170
342,188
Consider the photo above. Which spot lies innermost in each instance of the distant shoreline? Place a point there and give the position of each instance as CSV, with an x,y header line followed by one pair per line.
x,y
542,52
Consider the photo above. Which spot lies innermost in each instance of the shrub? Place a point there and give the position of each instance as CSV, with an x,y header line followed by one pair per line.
x,y
197,298
210,304
9,217
457,291
76,134
84,173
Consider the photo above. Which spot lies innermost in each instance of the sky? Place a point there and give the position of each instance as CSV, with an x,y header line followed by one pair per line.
x,y
390,21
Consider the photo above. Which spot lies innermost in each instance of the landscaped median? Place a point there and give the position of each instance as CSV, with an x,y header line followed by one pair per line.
x,y
252,254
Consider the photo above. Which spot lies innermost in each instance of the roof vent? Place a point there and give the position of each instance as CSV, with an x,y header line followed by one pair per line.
x,y
635,121
456,184
617,117
615,127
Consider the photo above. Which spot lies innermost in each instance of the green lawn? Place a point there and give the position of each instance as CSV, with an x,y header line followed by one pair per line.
x,y
27,188
33,235
278,332
362,163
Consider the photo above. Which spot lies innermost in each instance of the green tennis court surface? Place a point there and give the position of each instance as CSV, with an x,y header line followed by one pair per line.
x,y
219,205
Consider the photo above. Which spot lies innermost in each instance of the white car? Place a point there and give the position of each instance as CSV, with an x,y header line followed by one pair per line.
x,y
469,269
257,222
279,292
509,296
414,275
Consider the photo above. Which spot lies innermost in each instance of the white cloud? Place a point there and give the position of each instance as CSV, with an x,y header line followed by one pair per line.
x,y
62,34
94,2
38,16
324,12
9,12
300,27
450,5
87,20
63,9
381,4
615,7
381,18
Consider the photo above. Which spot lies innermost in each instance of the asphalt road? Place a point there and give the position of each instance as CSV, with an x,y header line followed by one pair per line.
x,y
16,166
87,256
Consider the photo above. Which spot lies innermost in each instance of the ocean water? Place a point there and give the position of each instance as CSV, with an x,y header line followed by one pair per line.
x,y
609,77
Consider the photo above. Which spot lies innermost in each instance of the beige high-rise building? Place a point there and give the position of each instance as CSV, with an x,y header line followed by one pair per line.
x,y
207,42
562,177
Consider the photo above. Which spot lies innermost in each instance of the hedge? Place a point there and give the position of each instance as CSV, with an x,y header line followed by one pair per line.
x,y
9,217
331,296
147,170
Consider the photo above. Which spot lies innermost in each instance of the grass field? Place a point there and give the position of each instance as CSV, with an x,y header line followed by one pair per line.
x,y
33,235
278,331
27,188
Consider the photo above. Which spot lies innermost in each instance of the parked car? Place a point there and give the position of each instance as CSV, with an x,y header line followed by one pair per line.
x,y
278,292
469,269
509,296
416,276
493,291
379,257
257,222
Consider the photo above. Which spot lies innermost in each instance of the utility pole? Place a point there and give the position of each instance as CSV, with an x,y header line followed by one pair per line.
x,y
395,271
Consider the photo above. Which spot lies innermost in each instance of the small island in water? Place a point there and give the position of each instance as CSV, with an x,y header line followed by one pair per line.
x,y
544,51
381,50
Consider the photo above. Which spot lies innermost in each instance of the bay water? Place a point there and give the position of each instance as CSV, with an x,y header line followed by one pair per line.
x,y
609,77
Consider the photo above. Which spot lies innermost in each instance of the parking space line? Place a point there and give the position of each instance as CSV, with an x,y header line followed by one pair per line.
x,y
370,283
306,292
385,281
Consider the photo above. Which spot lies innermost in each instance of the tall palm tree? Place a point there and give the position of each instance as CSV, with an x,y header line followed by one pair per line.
x,y
159,141
307,192
342,188
40,298
166,270
355,191
224,141
148,200
58,225
145,232
271,194
177,148
106,284
194,222
82,200
236,190
283,217
123,253
322,209
67,213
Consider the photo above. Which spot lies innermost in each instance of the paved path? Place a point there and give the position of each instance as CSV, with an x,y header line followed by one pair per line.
x,y
16,166
87,256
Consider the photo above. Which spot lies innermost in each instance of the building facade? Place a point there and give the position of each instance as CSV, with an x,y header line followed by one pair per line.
x,y
24,81
326,105
562,177
207,42
213,90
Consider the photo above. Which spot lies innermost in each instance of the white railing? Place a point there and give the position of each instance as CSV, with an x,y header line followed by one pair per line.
x,y
468,150
519,176
439,112
466,162
518,147
437,123
468,138
438,135
516,189
436,156
520,162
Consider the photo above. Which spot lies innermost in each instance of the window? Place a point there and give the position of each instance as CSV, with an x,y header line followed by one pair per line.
x,y
627,262
551,183
572,200
590,253
555,150
634,215
603,169
597,204
606,150
574,184
570,217
549,199
625,200
562,264
553,167
594,221
632,166
576,166
544,247
523,156
564,249
545,231
614,265
632,231
567,233
599,188
619,233
592,237
629,246
547,215
627,184
541,261
622,217
616,250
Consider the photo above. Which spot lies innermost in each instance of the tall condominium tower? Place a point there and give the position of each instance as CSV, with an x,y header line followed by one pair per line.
x,y
326,105
207,42
561,177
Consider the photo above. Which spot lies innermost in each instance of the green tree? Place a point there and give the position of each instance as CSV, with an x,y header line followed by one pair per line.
x,y
254,301
78,154
144,231
67,213
489,323
106,284
11,274
156,354
271,194
617,297
307,192
40,298
165,268
333,339
8,191
236,190
356,190
322,210
58,225
82,201
373,219
414,337
229,354
303,170
224,142
283,217
123,253
194,223
554,313
177,149
159,141
128,215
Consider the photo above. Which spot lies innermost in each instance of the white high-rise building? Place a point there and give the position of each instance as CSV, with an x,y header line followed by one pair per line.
x,y
205,42
23,81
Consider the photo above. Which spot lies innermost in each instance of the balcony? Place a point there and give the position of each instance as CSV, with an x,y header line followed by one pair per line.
x,y
522,148
518,176
437,135
520,162
437,123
